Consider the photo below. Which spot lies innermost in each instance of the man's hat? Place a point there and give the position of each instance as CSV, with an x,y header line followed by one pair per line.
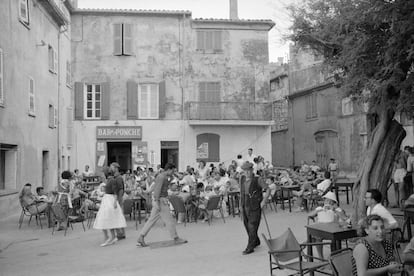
x,y
115,164
247,166
331,196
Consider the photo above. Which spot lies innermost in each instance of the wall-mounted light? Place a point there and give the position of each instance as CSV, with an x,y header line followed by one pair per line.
x,y
116,123
42,43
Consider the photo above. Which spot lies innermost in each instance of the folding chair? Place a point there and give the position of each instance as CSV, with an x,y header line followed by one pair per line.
x,y
341,262
128,208
214,203
397,247
26,213
179,207
285,252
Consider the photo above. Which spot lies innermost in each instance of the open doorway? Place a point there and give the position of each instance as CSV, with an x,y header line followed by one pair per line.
x,y
45,168
120,152
169,153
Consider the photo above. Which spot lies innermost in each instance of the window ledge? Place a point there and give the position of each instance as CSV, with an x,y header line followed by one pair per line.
x,y
311,119
8,192
31,114
24,24
2,105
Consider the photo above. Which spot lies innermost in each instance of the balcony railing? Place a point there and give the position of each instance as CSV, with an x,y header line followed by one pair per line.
x,y
245,111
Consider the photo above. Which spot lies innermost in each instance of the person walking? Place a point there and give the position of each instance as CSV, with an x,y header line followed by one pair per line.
x,y
160,207
110,215
119,189
252,202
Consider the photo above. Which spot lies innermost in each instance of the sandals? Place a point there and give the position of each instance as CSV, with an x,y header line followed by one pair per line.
x,y
141,242
109,242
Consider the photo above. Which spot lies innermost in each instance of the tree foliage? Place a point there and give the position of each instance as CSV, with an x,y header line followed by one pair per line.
x,y
369,43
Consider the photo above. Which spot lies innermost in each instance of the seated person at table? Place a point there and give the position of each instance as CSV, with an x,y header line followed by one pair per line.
x,y
373,199
328,213
204,196
29,201
323,187
41,194
373,254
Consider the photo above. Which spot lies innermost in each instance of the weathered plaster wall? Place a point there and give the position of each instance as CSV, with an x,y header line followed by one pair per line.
x,y
22,58
156,56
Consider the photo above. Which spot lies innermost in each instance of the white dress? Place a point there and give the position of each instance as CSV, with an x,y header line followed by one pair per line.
x,y
109,217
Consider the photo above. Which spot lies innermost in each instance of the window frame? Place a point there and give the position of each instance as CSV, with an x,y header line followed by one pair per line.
x,y
32,96
52,59
311,106
124,39
347,106
25,20
149,103
85,101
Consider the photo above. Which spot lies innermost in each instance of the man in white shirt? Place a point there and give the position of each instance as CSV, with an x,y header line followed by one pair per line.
x,y
87,172
250,156
325,184
373,201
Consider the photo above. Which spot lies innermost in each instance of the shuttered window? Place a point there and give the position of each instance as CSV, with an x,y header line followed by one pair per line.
x,y
1,78
53,62
148,101
311,106
92,101
52,116
123,39
31,97
209,40
68,74
24,11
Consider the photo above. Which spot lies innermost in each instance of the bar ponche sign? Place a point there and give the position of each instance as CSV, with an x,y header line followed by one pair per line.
x,y
133,132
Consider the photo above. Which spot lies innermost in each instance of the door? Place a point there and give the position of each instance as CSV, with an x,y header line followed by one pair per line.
x,y
326,146
209,100
45,169
120,152
169,153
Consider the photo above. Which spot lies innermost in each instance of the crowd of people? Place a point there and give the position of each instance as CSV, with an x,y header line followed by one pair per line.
x,y
255,182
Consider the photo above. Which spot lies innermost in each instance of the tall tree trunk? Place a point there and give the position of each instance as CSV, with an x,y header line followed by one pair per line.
x,y
377,165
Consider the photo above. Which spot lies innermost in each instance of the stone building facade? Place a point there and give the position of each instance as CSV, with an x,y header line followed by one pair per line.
x,y
165,87
35,96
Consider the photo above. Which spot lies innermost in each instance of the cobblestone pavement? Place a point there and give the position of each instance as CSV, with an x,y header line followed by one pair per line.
x,y
211,250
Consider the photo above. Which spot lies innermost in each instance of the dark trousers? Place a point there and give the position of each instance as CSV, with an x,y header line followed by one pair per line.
x,y
251,220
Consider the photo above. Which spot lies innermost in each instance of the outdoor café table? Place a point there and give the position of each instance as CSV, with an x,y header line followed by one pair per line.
x,y
233,201
289,190
347,184
329,231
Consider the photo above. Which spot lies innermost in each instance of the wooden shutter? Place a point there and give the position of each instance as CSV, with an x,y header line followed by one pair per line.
x,y
117,39
55,61
127,39
200,40
79,101
106,98
308,106
162,100
217,41
314,105
209,40
132,100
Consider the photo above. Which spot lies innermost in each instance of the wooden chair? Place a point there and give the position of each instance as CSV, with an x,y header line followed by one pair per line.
x,y
341,262
128,208
179,207
285,252
214,203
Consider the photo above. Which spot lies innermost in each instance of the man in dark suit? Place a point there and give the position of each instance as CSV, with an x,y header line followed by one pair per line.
x,y
252,202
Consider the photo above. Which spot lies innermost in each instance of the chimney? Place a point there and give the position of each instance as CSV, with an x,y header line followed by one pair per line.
x,y
233,10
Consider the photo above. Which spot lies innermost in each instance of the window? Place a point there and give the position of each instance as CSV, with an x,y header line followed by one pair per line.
x,y
148,101
24,11
122,39
347,106
52,60
1,78
311,106
209,41
52,116
68,74
92,101
8,166
31,97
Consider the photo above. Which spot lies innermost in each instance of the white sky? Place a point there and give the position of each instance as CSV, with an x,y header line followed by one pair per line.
x,y
247,9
